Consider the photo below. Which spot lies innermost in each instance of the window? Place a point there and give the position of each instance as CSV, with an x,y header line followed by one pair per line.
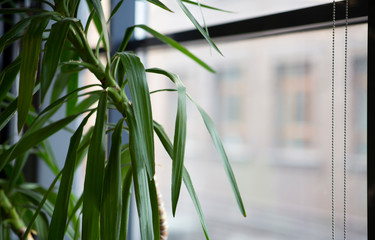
x,y
270,100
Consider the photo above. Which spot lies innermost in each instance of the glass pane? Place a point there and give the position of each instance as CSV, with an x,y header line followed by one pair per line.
x,y
271,102
242,9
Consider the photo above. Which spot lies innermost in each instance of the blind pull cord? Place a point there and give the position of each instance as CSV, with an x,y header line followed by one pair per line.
x,y
333,120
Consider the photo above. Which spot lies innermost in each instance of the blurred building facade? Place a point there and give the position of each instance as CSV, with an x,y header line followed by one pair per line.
x,y
271,101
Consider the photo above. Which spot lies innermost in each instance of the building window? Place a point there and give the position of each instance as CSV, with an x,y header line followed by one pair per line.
x,y
294,104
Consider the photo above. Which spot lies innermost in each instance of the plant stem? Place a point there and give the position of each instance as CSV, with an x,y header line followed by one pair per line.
x,y
17,225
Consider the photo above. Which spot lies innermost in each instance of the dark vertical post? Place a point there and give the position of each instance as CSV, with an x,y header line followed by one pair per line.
x,y
370,127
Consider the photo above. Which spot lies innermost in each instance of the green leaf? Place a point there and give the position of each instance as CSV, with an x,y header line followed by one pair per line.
x,y
140,178
58,221
67,72
14,33
70,105
176,45
179,141
198,26
155,209
7,114
18,167
206,6
7,77
30,57
97,5
41,204
82,150
77,207
30,140
10,110
112,194
45,152
126,193
114,11
159,4
186,177
92,193
142,108
53,49
220,148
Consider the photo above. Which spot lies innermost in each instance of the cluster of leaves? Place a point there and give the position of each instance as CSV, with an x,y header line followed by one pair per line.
x,y
54,49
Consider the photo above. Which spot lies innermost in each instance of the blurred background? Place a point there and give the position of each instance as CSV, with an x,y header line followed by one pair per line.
x,y
271,102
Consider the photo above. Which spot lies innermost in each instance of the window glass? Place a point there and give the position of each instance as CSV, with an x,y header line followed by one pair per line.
x,y
242,9
271,102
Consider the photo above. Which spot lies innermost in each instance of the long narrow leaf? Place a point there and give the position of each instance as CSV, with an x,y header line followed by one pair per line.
x,y
14,33
198,26
179,141
112,194
94,174
58,221
206,6
220,148
186,177
30,57
37,211
10,110
176,45
126,186
7,77
155,209
53,50
141,185
159,4
142,108
97,5
30,140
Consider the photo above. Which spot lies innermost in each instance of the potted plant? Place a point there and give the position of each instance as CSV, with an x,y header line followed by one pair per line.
x,y
54,49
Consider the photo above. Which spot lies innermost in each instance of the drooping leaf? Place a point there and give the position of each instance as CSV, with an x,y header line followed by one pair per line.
x,y
140,96
223,156
112,194
186,177
198,26
60,213
179,141
159,4
176,45
52,53
206,6
30,57
94,174
141,185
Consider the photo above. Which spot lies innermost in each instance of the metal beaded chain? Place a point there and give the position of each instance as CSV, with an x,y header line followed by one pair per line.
x,y
333,123
345,101
333,118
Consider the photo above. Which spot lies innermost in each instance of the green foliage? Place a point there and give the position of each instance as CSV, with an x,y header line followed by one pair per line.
x,y
54,50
